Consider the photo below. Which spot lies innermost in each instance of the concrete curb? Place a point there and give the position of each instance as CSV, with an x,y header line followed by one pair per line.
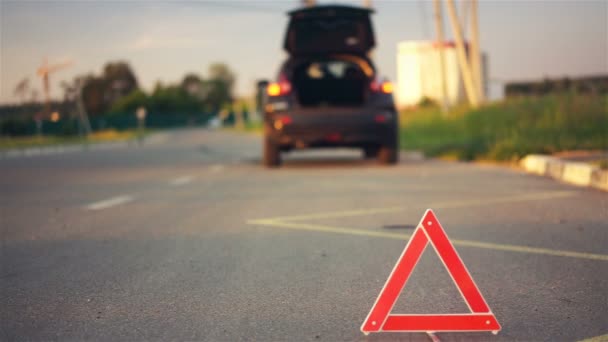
x,y
576,173
411,155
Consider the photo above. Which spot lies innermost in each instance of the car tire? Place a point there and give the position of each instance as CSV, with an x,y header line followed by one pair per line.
x,y
388,154
272,154
370,152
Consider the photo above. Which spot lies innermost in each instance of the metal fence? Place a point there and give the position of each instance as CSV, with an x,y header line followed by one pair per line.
x,y
119,121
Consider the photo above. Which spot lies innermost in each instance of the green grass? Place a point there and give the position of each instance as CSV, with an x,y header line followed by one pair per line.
x,y
256,127
47,140
511,129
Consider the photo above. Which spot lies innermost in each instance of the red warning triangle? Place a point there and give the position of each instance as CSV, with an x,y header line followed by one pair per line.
x,y
379,318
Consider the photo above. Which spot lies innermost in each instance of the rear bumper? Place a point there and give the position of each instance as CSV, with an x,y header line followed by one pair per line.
x,y
336,128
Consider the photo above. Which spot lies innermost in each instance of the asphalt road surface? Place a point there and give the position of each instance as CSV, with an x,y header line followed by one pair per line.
x,y
188,238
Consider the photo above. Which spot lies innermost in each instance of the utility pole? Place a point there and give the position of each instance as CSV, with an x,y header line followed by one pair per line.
x,y
465,69
85,124
445,106
464,18
475,53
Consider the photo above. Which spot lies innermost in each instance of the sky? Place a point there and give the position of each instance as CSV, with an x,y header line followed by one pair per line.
x,y
164,40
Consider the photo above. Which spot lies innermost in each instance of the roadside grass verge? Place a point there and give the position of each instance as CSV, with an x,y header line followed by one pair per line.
x,y
108,135
252,127
510,129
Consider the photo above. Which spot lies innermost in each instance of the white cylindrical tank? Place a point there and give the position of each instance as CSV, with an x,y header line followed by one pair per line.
x,y
419,73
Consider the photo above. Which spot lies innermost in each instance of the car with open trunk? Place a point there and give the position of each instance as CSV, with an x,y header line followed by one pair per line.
x,y
328,93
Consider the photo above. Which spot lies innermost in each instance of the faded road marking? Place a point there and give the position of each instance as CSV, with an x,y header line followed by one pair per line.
x,y
439,205
181,180
216,168
110,202
506,199
287,222
399,236
337,214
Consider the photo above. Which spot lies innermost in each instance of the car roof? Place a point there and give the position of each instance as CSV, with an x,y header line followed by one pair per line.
x,y
319,9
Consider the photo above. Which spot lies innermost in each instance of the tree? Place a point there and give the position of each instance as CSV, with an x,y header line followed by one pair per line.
x,y
221,71
193,85
94,94
172,100
219,86
22,88
130,103
120,81
100,93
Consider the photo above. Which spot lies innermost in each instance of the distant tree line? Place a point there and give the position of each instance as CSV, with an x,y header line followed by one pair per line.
x,y
586,85
116,92
193,94
100,92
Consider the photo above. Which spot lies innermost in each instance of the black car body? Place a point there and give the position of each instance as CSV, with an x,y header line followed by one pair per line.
x,y
327,93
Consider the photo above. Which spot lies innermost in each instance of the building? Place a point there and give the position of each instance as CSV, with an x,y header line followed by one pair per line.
x,y
419,73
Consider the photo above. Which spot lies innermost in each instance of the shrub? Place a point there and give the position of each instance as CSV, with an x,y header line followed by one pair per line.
x,y
510,129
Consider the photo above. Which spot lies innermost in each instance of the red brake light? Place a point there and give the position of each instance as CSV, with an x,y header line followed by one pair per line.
x,y
385,87
374,86
278,89
282,87
282,121
380,118
273,89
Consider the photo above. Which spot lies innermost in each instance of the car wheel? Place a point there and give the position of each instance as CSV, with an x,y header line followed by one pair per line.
x,y
272,154
388,154
370,152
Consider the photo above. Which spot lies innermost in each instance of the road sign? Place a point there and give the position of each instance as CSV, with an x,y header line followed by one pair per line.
x,y
380,318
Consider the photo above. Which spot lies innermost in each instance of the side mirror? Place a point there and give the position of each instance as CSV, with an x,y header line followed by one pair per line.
x,y
260,95
262,84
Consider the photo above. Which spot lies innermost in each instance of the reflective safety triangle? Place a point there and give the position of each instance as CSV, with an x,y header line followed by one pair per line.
x,y
380,318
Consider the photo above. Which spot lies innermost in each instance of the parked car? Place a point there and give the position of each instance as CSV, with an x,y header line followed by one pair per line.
x,y
328,93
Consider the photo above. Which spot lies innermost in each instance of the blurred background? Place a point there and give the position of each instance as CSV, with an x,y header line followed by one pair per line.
x,y
76,69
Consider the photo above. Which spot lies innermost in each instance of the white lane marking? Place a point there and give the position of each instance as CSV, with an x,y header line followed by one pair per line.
x,y
338,214
216,168
440,205
535,196
110,202
181,180
289,222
